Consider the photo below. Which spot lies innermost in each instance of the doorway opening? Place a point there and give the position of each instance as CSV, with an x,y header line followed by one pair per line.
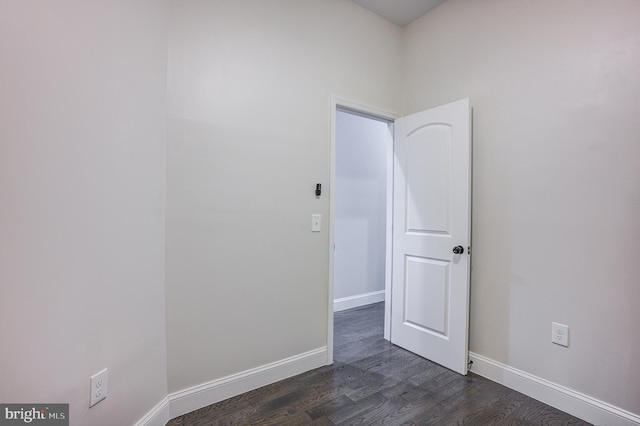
x,y
429,205
361,209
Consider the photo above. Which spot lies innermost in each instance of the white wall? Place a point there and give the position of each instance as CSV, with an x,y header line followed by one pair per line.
x,y
361,203
250,85
556,93
82,185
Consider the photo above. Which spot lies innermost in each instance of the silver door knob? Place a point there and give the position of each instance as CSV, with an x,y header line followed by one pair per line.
x,y
458,250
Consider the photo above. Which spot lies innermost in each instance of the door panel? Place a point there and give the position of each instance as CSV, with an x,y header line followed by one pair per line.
x,y
426,293
428,162
432,209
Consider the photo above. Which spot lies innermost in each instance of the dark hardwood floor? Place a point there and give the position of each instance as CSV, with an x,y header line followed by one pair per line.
x,y
373,382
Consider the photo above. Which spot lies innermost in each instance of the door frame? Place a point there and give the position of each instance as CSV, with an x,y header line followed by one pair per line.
x,y
375,113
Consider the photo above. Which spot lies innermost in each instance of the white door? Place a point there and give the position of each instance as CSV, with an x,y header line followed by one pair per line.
x,y
431,234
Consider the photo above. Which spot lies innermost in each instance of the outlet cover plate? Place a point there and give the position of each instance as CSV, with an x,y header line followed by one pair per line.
x,y
560,334
99,386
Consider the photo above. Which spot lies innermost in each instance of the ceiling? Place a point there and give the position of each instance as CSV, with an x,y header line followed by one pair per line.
x,y
400,12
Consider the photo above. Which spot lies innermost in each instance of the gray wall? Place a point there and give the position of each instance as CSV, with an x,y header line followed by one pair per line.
x,y
82,189
556,228
249,129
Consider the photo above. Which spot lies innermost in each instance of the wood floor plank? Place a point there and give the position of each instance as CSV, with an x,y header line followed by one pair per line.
x,y
373,382
359,408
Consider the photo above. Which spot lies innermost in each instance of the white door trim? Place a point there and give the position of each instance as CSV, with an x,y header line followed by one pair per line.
x,y
375,113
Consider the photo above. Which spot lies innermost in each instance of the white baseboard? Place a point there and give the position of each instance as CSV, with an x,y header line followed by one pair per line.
x,y
196,397
575,403
158,416
358,300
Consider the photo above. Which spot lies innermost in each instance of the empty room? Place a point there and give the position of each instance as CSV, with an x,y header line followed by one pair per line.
x,y
169,226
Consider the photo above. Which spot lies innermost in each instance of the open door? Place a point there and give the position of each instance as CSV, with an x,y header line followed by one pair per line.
x,y
431,234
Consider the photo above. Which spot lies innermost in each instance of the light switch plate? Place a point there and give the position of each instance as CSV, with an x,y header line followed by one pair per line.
x,y
316,222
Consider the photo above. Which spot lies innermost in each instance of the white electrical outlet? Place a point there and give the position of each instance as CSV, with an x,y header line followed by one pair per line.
x,y
99,382
560,334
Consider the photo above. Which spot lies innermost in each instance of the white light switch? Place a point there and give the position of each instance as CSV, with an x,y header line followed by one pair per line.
x,y
316,222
